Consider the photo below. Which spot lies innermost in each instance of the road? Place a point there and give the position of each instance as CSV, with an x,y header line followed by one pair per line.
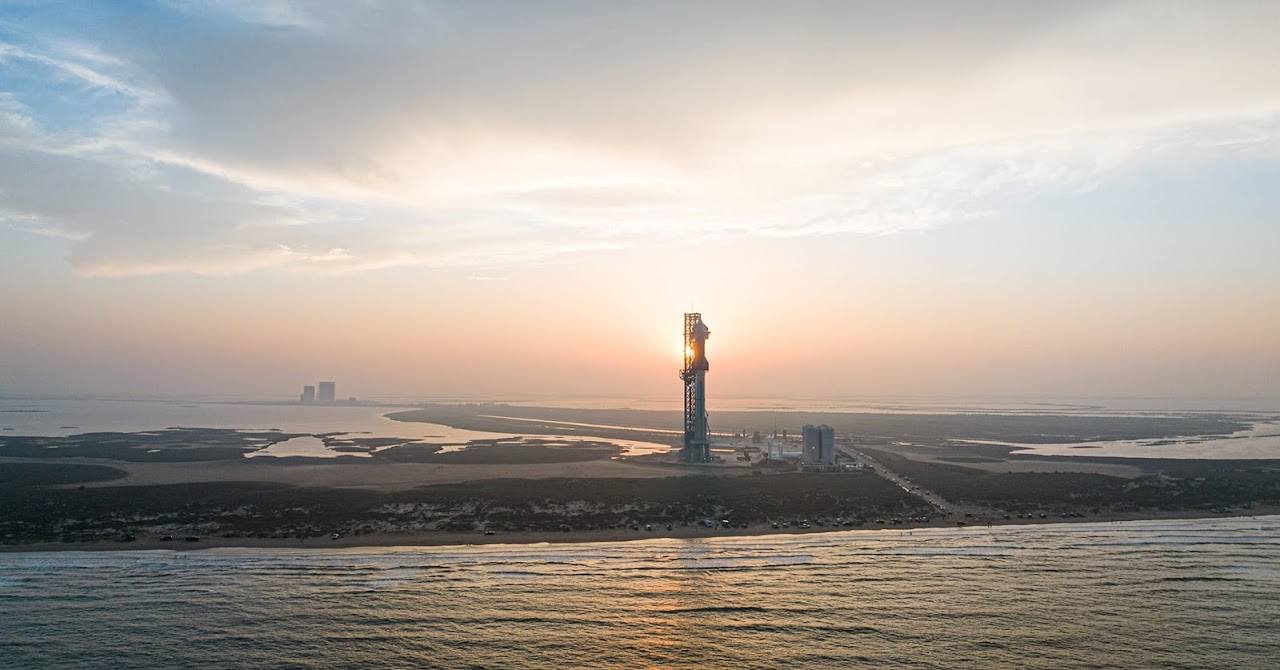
x,y
934,500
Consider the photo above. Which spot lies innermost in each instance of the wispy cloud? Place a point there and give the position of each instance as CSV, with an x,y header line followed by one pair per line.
x,y
228,137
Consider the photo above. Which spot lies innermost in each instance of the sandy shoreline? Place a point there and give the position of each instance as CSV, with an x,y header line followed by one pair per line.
x,y
476,538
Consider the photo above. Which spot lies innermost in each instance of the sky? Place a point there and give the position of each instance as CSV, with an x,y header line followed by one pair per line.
x,y
491,199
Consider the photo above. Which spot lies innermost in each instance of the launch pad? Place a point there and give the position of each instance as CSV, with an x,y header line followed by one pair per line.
x,y
697,435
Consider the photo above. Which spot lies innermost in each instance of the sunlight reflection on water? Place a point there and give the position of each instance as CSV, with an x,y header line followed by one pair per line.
x,y
1182,593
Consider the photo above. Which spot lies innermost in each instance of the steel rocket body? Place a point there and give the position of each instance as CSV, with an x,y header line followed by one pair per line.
x,y
699,334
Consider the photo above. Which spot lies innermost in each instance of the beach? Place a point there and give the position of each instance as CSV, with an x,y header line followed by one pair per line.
x,y
678,532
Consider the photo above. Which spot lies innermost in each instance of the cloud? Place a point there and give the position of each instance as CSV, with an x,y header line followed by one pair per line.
x,y
273,13
226,137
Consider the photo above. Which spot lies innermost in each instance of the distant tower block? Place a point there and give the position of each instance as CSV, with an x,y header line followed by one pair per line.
x,y
697,436
819,445
308,396
327,393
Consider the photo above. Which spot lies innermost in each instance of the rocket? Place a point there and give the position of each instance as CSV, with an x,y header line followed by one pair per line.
x,y
699,335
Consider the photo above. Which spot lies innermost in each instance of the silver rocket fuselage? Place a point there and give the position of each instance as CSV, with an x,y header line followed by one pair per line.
x,y
698,336
701,431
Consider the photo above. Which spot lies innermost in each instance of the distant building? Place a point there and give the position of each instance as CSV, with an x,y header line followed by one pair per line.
x,y
819,445
782,450
327,393
827,445
308,396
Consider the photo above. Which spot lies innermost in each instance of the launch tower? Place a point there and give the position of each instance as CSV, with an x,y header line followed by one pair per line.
x,y
697,437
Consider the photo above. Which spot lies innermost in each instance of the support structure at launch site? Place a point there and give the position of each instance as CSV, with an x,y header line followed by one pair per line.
x,y
817,451
697,435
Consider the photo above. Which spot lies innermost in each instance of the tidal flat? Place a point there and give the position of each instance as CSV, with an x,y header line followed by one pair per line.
x,y
564,474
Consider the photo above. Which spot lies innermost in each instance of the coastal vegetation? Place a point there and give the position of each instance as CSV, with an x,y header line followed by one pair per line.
x,y
24,475
182,445
1166,484
260,509
503,452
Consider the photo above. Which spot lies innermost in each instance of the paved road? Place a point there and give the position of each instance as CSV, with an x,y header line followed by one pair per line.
x,y
935,500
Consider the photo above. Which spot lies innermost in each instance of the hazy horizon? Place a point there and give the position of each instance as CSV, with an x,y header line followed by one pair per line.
x,y
1080,405
864,200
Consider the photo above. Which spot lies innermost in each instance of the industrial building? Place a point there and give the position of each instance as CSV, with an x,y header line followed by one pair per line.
x,y
781,451
327,393
819,445
308,396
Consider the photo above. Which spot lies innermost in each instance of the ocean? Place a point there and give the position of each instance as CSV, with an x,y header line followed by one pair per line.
x,y
1151,594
